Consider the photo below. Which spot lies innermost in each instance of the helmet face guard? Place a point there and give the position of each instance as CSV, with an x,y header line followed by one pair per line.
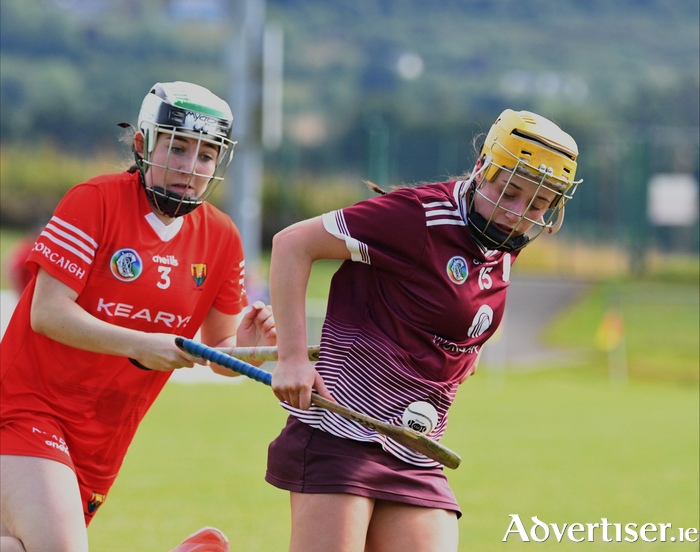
x,y
183,110
543,157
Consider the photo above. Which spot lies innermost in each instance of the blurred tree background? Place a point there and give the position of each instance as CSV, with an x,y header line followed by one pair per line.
x,y
388,90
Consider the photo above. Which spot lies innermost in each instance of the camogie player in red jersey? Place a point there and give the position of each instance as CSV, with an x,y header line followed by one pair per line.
x,y
127,262
422,288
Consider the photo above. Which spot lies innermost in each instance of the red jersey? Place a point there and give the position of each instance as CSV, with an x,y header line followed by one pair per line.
x,y
407,315
130,270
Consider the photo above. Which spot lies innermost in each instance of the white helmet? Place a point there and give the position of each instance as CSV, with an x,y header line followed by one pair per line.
x,y
535,149
183,109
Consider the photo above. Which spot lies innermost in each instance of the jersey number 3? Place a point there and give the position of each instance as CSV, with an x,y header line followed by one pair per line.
x,y
165,279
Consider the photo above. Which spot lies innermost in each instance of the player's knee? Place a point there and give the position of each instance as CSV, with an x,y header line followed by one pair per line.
x,y
68,544
10,544
58,540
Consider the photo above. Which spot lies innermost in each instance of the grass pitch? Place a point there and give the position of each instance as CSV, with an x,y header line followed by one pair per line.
x,y
565,446
661,325
561,444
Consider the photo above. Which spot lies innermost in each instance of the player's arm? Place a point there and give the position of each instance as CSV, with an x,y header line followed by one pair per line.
x,y
254,327
56,315
294,251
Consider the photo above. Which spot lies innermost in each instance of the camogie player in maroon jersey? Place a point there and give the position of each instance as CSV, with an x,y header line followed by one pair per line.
x,y
127,262
422,288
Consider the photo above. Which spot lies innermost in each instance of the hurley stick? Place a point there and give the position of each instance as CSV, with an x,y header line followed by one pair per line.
x,y
405,436
260,353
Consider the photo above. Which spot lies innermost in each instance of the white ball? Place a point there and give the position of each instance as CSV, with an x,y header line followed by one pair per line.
x,y
420,416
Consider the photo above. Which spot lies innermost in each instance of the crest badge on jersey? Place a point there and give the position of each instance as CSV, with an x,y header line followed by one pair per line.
x,y
126,265
457,270
95,501
199,273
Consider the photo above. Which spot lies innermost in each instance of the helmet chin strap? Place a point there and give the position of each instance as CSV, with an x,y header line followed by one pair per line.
x,y
492,238
163,201
487,235
171,204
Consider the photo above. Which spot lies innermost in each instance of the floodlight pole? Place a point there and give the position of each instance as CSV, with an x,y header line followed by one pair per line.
x,y
254,62
244,69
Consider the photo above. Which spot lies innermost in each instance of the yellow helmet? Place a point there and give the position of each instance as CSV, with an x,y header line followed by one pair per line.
x,y
536,149
532,143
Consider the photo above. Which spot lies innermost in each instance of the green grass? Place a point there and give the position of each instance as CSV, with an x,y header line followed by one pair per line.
x,y
320,279
572,449
565,447
562,445
661,321
198,459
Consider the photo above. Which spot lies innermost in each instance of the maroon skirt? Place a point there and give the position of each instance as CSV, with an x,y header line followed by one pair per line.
x,y
308,460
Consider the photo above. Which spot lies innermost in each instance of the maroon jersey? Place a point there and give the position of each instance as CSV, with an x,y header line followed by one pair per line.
x,y
408,314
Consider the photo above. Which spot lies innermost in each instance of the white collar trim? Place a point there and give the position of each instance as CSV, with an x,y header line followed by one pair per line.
x,y
461,201
166,232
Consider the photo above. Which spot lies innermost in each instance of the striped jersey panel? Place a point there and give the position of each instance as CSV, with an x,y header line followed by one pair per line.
x,y
442,212
70,239
366,372
334,223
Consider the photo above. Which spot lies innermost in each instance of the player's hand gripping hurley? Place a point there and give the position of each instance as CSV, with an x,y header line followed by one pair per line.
x,y
405,436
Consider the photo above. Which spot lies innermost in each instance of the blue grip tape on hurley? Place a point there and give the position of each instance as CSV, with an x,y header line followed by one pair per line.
x,y
212,355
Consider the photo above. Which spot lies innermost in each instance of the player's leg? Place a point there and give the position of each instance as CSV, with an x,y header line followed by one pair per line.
x,y
397,527
322,522
41,505
8,543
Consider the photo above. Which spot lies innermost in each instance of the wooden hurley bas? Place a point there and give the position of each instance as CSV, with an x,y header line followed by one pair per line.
x,y
261,353
229,358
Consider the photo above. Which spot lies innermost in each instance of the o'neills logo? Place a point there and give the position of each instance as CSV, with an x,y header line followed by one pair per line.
x,y
167,260
126,265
